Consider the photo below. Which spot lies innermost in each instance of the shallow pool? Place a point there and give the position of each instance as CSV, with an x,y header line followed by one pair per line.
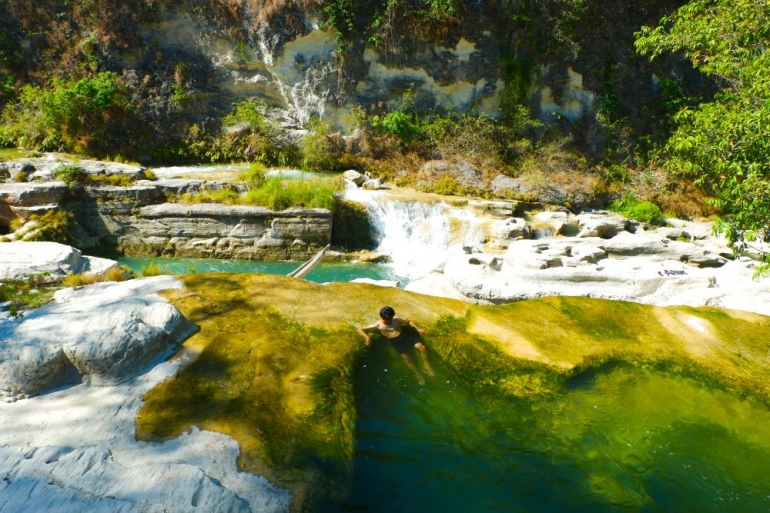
x,y
322,273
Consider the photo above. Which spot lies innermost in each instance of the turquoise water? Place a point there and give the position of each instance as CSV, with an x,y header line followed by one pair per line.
x,y
322,273
624,439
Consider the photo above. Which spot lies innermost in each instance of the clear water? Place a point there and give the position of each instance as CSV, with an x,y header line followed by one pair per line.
x,y
624,439
322,273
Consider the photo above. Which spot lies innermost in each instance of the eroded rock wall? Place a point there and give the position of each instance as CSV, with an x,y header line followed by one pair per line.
x,y
138,220
188,62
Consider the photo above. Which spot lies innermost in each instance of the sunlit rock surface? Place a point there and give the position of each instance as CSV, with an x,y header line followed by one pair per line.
x,y
47,262
103,333
73,448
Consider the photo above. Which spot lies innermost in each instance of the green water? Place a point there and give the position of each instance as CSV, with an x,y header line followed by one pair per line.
x,y
623,439
322,273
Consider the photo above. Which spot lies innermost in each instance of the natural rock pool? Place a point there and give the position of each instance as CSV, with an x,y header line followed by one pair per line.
x,y
557,404
625,438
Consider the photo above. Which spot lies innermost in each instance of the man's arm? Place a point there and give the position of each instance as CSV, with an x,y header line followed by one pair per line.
x,y
362,331
413,325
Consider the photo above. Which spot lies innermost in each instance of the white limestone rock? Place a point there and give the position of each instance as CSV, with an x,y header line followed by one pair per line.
x,y
379,283
48,261
104,333
354,176
74,450
372,185
600,224
510,228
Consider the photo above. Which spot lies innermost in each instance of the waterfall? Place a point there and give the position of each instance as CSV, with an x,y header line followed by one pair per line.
x,y
416,235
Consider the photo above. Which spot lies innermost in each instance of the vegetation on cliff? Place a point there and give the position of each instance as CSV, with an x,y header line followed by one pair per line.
x,y
74,78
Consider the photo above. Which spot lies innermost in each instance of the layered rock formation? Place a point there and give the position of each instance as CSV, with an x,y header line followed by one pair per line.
x,y
138,218
188,64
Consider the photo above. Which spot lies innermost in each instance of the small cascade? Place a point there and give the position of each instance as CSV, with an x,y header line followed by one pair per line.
x,y
416,235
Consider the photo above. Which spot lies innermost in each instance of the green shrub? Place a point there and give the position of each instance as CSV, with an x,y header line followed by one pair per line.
x,y
318,150
447,185
59,116
24,294
226,196
400,123
54,226
255,176
71,174
152,269
642,211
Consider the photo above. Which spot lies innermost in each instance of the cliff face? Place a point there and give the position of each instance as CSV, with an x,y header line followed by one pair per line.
x,y
188,61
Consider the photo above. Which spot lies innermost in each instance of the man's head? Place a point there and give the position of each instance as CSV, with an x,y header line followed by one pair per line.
x,y
387,313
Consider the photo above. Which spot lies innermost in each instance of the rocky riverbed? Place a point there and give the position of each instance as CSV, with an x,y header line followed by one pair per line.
x,y
74,373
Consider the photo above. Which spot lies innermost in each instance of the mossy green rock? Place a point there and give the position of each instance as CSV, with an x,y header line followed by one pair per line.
x,y
276,357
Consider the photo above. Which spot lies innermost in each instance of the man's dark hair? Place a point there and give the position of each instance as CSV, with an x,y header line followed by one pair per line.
x,y
387,312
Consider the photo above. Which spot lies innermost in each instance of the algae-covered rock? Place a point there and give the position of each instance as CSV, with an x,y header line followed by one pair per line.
x,y
277,358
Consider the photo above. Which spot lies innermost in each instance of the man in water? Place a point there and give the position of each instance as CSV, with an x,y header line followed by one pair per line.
x,y
392,328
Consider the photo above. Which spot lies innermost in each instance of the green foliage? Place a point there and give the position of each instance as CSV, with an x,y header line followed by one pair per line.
x,y
339,17
276,194
255,176
724,144
397,18
153,269
318,149
225,195
479,137
401,123
351,225
446,184
54,118
642,211
518,78
24,295
251,115
71,174
54,226
248,135
178,95
6,86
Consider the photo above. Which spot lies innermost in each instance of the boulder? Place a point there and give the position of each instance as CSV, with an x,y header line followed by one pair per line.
x,y
354,176
372,185
31,194
557,220
510,229
600,224
48,262
504,209
104,333
466,174
514,188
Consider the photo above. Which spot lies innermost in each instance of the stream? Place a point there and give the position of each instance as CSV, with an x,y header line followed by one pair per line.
x,y
620,439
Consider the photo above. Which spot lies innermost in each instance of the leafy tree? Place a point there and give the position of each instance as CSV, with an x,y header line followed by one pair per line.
x,y
724,144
